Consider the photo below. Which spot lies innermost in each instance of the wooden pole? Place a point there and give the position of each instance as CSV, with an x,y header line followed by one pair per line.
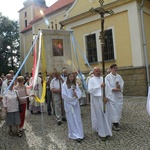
x,y
102,13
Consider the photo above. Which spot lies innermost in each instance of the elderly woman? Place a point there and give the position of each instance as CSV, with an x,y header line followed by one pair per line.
x,y
22,93
10,104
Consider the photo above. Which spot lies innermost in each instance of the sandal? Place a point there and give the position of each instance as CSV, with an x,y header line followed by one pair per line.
x,y
20,130
19,134
10,133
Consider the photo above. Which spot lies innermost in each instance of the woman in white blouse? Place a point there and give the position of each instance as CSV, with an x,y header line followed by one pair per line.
x,y
10,104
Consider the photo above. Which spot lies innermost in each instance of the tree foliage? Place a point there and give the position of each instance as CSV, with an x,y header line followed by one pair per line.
x,y
9,45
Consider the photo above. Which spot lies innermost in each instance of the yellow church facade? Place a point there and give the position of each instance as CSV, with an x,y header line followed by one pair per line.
x,y
127,36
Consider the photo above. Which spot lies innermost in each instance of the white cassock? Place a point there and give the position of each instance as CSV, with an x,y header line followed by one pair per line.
x,y
116,98
101,122
73,113
148,102
37,90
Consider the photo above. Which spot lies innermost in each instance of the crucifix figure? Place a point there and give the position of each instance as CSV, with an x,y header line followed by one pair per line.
x,y
101,11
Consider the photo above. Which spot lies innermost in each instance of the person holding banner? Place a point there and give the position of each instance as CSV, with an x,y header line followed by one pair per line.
x,y
21,93
34,106
101,121
71,95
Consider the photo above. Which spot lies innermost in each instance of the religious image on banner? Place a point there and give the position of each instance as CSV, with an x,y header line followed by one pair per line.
x,y
57,47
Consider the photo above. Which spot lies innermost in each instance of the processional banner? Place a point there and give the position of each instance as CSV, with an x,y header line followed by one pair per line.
x,y
57,50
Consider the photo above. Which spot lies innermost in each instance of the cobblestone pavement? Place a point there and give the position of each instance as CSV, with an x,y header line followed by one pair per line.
x,y
42,132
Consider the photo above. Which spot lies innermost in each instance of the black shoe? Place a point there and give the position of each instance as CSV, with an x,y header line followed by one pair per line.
x,y
116,124
31,111
39,112
10,133
116,127
49,114
64,119
78,140
103,138
59,122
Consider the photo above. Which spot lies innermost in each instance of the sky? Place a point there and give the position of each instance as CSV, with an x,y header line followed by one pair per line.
x,y
10,8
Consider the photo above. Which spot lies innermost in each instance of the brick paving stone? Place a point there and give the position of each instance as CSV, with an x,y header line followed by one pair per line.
x,y
43,133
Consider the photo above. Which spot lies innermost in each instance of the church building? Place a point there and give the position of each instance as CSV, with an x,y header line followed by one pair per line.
x,y
127,35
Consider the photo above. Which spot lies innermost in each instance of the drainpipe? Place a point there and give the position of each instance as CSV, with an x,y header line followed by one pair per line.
x,y
144,43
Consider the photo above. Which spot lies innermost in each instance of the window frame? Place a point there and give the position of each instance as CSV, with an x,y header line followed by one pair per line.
x,y
98,45
25,14
26,23
114,47
89,56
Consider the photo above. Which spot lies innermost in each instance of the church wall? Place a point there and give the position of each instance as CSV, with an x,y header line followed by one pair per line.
x,y
26,45
127,41
119,22
81,6
36,10
21,49
22,17
147,33
135,81
32,11
42,25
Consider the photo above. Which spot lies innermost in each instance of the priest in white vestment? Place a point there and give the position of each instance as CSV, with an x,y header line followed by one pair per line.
x,y
114,90
101,121
36,107
71,95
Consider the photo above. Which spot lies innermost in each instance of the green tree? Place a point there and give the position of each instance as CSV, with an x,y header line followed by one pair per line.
x,y
9,45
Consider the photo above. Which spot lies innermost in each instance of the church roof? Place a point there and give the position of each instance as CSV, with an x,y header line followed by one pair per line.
x,y
59,4
29,27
